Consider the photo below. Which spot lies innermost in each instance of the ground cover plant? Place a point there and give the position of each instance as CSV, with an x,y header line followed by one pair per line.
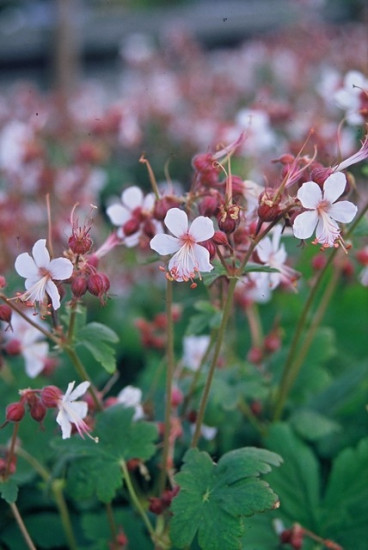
x,y
184,272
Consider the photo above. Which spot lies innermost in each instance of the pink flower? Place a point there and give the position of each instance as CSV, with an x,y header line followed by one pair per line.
x,y
40,272
322,210
190,258
72,411
272,254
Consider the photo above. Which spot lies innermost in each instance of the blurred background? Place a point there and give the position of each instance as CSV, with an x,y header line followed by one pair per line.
x,y
56,43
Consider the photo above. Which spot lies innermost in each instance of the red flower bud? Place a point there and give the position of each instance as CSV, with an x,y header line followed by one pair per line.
x,y
97,283
79,286
220,238
208,206
37,410
228,218
5,313
80,242
13,347
15,412
362,256
269,205
163,205
50,396
255,355
2,281
319,262
131,226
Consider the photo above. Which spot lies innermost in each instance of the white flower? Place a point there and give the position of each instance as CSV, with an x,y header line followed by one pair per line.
x,y
33,349
190,258
132,397
72,411
322,210
349,97
134,205
194,348
272,254
39,273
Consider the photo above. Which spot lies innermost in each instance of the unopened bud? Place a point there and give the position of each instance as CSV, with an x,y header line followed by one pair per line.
x,y
269,206
362,256
208,206
163,205
5,313
80,242
2,281
79,286
255,355
15,412
50,396
37,410
220,238
228,219
98,284
13,347
131,226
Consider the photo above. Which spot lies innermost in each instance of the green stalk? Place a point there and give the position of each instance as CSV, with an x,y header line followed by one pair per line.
x,y
82,373
22,527
169,382
293,364
136,500
216,353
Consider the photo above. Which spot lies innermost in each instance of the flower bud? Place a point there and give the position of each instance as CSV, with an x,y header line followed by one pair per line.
x,y
79,286
269,205
163,205
15,412
37,410
176,397
96,284
255,355
228,218
208,206
5,313
211,247
131,226
80,242
2,281
50,396
13,347
362,256
319,261
220,238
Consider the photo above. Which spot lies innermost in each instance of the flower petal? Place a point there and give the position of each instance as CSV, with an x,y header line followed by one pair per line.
x,y
202,229
304,224
79,390
61,269
334,186
64,423
310,194
34,358
25,266
202,257
53,293
176,221
118,214
165,244
41,254
343,211
132,197
327,231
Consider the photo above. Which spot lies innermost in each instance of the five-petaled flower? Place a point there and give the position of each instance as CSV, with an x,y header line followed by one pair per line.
x,y
72,411
323,211
190,258
40,273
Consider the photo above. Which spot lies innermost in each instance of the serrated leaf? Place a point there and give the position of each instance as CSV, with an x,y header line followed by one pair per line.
x,y
97,338
9,490
297,482
345,505
218,271
213,499
312,425
96,468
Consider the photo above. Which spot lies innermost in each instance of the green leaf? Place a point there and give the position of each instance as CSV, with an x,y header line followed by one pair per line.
x,y
96,467
214,499
312,425
96,337
345,505
209,318
218,271
297,482
9,490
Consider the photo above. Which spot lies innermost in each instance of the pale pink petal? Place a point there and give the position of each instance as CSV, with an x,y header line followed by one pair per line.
x,y
264,249
41,254
334,186
34,358
25,266
60,269
304,224
176,221
132,197
343,211
118,214
68,391
202,257
79,390
53,292
77,410
310,194
201,229
327,231
148,202
165,244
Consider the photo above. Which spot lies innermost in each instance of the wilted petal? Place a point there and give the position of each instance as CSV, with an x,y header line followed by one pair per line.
x,y
201,229
25,266
304,224
165,244
176,221
41,254
343,211
310,194
334,186
132,197
60,269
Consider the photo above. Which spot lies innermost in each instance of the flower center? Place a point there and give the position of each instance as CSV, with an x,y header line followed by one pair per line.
x,y
323,207
44,272
187,240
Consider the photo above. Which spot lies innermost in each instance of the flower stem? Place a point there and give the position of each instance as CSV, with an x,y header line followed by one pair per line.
x,y
136,500
216,353
11,450
22,527
169,382
83,374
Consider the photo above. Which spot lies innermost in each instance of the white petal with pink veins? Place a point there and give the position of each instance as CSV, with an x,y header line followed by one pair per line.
x,y
310,194
304,224
53,292
201,229
165,244
176,221
334,186
40,253
343,211
202,258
